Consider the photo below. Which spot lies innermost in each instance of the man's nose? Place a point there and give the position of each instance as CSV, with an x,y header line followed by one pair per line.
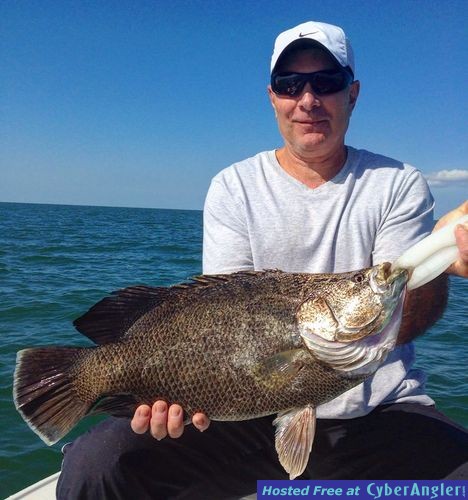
x,y
308,98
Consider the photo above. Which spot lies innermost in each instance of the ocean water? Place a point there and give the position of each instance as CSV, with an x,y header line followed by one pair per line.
x,y
57,261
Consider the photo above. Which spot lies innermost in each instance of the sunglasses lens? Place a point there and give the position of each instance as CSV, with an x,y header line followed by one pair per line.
x,y
322,82
289,84
329,83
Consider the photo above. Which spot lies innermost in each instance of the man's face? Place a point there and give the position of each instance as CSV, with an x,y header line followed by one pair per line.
x,y
313,125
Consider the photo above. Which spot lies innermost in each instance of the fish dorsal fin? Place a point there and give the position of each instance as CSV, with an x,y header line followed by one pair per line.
x,y
209,280
112,316
295,431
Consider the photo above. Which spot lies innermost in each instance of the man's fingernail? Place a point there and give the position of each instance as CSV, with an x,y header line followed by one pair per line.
x,y
175,412
160,407
144,412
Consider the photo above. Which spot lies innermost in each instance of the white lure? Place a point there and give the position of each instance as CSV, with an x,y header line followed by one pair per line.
x,y
430,256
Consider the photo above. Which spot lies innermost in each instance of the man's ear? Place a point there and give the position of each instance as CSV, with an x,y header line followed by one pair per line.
x,y
354,93
272,96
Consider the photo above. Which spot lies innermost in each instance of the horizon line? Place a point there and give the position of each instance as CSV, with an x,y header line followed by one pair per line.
x,y
96,206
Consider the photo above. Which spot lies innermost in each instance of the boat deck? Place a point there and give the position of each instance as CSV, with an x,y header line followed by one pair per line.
x,y
45,490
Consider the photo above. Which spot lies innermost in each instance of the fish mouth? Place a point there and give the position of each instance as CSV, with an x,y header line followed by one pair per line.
x,y
361,357
384,277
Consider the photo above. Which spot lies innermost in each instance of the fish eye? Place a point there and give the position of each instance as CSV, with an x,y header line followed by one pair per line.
x,y
358,278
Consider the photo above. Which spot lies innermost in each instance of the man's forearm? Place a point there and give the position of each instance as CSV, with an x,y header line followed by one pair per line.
x,y
423,307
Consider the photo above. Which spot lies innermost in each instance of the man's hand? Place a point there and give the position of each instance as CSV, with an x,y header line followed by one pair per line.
x,y
426,304
162,420
460,267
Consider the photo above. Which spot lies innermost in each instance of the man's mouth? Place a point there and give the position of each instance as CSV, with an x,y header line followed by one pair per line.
x,y
310,122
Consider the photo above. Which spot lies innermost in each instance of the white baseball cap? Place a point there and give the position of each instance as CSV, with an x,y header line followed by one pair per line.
x,y
331,38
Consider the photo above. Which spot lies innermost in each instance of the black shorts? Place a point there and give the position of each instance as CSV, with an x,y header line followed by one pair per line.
x,y
397,441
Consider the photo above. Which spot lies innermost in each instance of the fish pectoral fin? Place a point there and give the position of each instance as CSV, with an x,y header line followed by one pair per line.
x,y
118,405
295,431
278,370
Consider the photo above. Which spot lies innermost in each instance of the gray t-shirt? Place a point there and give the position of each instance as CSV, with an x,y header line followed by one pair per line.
x,y
257,216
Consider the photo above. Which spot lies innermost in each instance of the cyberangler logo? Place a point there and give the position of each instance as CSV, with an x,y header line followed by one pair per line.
x,y
421,489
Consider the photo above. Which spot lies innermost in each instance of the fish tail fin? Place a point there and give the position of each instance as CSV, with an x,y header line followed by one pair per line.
x,y
44,392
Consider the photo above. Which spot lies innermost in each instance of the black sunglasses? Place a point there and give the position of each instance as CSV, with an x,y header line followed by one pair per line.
x,y
328,81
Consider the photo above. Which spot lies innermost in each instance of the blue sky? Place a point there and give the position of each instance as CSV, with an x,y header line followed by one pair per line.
x,y
139,103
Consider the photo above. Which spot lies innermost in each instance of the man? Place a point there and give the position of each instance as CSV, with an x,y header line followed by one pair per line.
x,y
314,205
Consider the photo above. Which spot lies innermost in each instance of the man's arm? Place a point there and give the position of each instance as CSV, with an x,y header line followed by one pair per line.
x,y
226,242
423,307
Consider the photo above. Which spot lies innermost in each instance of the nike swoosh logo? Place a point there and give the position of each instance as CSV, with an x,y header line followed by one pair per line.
x,y
302,35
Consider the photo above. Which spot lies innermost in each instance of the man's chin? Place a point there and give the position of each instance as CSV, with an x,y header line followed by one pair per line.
x,y
313,140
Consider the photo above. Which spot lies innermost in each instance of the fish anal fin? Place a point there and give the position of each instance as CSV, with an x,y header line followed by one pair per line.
x,y
295,431
278,370
118,405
